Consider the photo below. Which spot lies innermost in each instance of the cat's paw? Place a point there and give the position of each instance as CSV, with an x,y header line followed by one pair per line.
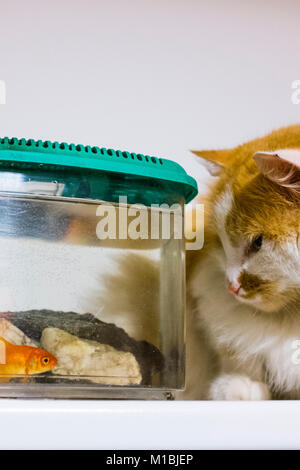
x,y
238,387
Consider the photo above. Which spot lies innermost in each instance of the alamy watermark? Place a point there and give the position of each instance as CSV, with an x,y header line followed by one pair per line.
x,y
156,222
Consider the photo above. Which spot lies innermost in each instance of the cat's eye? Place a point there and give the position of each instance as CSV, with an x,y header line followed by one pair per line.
x,y
256,244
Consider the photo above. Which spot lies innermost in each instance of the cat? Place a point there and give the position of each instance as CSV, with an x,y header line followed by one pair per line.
x,y
244,285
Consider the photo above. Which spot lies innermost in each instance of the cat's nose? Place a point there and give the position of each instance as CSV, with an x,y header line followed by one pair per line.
x,y
234,288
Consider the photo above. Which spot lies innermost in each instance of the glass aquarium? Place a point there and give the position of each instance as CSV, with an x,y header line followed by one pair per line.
x,y
92,279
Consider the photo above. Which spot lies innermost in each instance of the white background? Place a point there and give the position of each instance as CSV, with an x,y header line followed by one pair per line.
x,y
157,77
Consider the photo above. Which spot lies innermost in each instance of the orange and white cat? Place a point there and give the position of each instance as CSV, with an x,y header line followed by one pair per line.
x,y
244,285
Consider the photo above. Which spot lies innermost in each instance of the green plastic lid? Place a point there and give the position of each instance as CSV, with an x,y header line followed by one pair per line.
x,y
16,154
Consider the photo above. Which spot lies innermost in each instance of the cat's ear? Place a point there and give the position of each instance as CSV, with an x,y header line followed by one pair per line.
x,y
281,167
213,160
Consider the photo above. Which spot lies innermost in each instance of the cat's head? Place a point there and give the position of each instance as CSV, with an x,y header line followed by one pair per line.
x,y
256,215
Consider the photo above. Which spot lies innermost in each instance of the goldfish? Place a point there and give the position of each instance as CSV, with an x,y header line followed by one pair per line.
x,y
23,360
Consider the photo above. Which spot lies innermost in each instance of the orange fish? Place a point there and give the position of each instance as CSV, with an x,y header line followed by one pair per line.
x,y
23,360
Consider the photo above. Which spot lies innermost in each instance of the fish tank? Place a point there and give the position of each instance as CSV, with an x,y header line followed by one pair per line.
x,y
92,278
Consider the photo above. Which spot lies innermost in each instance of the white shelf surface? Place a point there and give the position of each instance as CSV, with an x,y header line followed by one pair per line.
x,y
59,424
